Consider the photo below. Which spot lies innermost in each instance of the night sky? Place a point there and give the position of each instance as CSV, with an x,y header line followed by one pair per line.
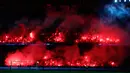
x,y
10,11
35,9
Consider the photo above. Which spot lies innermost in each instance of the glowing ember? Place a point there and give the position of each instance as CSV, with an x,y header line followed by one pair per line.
x,y
18,61
12,39
97,38
49,59
57,37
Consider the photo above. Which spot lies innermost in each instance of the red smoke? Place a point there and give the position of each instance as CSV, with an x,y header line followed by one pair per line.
x,y
97,56
19,34
18,59
71,23
28,56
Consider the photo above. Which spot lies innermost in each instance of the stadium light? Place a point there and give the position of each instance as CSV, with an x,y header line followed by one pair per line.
x,y
121,1
116,1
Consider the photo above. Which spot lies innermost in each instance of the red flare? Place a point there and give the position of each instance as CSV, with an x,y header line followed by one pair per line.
x,y
31,35
98,38
112,63
57,37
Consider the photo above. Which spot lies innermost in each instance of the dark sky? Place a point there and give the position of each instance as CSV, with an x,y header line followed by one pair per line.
x,y
36,7
13,10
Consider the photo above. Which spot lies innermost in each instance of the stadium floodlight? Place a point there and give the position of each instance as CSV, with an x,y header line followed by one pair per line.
x,y
124,0
119,0
116,1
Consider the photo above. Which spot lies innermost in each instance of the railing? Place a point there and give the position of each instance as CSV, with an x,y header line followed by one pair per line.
x,y
65,68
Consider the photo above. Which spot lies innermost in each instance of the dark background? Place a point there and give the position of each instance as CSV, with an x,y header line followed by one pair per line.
x,y
10,11
13,10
